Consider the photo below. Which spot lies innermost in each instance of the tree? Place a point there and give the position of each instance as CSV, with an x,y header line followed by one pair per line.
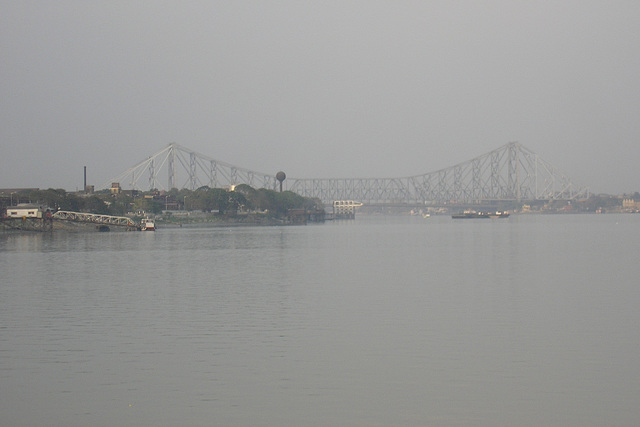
x,y
266,200
51,198
57,199
200,199
250,194
313,203
96,205
236,201
121,204
147,204
288,200
219,198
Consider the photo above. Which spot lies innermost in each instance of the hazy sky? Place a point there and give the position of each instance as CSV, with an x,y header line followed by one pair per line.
x,y
327,89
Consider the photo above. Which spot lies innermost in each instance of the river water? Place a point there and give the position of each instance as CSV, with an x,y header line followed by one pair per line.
x,y
381,321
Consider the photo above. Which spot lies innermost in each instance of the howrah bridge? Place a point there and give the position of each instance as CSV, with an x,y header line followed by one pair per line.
x,y
509,173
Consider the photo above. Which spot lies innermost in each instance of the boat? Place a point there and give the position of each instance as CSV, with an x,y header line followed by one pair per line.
x,y
473,214
470,215
420,212
499,214
148,225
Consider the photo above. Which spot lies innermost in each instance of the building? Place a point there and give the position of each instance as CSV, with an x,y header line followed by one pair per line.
x,y
115,188
24,211
345,208
630,205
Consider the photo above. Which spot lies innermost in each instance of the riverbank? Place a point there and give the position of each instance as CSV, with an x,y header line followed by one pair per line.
x,y
188,219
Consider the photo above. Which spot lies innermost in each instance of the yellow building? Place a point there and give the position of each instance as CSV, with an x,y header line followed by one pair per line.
x,y
630,204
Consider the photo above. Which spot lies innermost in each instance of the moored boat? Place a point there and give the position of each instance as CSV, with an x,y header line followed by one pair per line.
x,y
470,215
148,225
499,214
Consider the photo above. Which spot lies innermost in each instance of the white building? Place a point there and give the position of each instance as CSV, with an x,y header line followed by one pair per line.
x,y
24,211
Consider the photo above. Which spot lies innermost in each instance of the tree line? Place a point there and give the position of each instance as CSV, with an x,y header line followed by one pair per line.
x,y
243,198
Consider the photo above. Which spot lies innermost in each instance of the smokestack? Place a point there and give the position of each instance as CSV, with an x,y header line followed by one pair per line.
x,y
85,178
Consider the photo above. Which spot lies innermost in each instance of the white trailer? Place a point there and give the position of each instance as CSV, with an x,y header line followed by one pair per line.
x,y
24,212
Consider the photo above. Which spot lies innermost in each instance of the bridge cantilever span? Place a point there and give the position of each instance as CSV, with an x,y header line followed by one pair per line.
x,y
509,173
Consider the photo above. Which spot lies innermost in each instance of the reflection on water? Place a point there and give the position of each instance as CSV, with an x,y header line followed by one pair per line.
x,y
377,321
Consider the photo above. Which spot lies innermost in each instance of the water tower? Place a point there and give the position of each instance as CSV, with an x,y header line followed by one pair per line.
x,y
281,176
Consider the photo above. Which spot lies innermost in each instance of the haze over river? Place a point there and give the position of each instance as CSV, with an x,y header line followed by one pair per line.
x,y
381,321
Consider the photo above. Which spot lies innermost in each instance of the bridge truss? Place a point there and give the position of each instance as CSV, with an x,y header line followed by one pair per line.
x,y
191,170
509,173
94,218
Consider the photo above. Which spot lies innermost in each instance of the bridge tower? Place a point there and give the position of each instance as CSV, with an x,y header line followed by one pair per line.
x,y
171,169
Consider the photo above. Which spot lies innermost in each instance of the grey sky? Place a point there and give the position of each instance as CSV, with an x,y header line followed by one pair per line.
x,y
318,88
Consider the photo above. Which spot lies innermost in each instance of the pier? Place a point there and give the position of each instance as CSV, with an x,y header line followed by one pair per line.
x,y
35,218
345,209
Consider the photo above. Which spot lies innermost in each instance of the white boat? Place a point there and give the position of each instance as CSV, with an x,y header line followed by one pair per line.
x,y
148,225
499,214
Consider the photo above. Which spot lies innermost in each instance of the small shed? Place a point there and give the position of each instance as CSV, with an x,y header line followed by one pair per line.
x,y
24,211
